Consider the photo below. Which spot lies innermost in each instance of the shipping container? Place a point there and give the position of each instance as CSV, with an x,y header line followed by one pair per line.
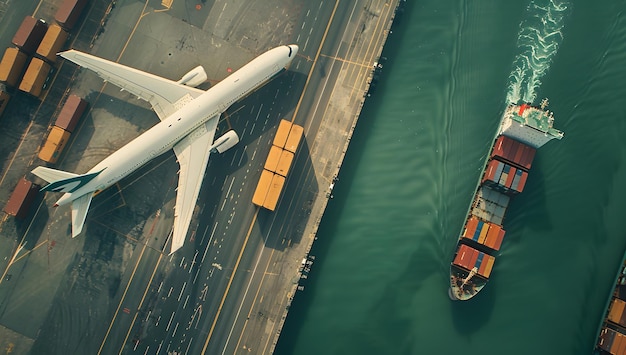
x,y
21,198
4,100
69,13
52,43
282,133
466,257
262,187
607,336
71,113
29,35
511,151
35,77
286,158
295,135
470,227
486,265
273,193
12,66
616,314
53,147
272,158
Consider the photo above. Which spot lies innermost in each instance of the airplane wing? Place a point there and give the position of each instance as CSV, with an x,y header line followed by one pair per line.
x,y
80,206
192,153
165,96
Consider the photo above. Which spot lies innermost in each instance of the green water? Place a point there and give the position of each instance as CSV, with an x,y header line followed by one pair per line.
x,y
379,283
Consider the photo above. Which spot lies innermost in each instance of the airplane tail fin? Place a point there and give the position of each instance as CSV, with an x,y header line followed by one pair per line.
x,y
62,181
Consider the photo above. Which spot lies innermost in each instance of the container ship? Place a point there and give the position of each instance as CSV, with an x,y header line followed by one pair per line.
x,y
612,331
523,129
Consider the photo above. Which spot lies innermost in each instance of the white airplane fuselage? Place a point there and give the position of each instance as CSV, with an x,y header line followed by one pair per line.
x,y
164,135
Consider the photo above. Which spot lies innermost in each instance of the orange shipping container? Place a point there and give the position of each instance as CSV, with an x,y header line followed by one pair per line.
x,y
486,266
616,314
52,42
286,157
35,77
12,66
282,133
295,135
4,100
52,149
470,228
273,193
492,236
272,158
261,188
483,233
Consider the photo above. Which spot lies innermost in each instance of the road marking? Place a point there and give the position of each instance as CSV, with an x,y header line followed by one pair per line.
x,y
230,281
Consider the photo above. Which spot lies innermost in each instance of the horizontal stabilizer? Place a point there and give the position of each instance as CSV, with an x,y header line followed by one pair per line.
x,y
51,175
80,206
61,181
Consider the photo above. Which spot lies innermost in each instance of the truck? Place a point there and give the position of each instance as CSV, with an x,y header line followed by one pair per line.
x,y
35,77
71,113
69,12
53,147
29,35
21,199
12,66
52,43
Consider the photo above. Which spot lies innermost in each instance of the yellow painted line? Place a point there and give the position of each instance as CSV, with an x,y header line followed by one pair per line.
x,y
245,324
37,8
317,55
345,61
141,303
30,251
143,13
122,299
230,281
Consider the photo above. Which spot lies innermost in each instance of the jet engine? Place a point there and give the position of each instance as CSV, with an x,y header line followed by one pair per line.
x,y
194,77
225,142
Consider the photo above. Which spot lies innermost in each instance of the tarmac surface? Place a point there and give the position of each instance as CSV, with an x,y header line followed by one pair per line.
x,y
113,289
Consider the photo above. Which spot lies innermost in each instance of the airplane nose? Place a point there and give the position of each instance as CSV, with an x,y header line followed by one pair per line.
x,y
293,50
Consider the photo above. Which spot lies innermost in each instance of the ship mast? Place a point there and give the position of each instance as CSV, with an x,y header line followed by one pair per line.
x,y
469,276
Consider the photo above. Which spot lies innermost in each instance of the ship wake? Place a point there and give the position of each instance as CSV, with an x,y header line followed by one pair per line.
x,y
538,41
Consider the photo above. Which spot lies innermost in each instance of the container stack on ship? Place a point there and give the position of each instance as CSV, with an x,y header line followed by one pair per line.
x,y
612,333
523,129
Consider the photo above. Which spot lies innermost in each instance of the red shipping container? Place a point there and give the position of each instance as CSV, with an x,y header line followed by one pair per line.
x,y
71,113
466,257
498,242
514,152
21,198
29,35
491,170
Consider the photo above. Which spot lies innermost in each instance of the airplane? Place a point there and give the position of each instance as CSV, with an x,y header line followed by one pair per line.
x,y
189,118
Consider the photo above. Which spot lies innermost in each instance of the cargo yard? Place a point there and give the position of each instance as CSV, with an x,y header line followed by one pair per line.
x,y
113,288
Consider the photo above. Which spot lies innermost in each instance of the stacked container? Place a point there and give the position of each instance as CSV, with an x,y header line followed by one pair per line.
x,y
21,198
277,165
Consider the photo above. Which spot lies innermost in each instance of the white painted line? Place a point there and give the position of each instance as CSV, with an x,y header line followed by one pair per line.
x,y
176,327
181,291
170,322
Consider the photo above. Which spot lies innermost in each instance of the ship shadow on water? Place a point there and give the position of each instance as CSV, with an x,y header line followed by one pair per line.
x,y
470,316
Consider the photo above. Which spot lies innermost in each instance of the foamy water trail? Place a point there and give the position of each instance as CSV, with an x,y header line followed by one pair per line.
x,y
538,41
